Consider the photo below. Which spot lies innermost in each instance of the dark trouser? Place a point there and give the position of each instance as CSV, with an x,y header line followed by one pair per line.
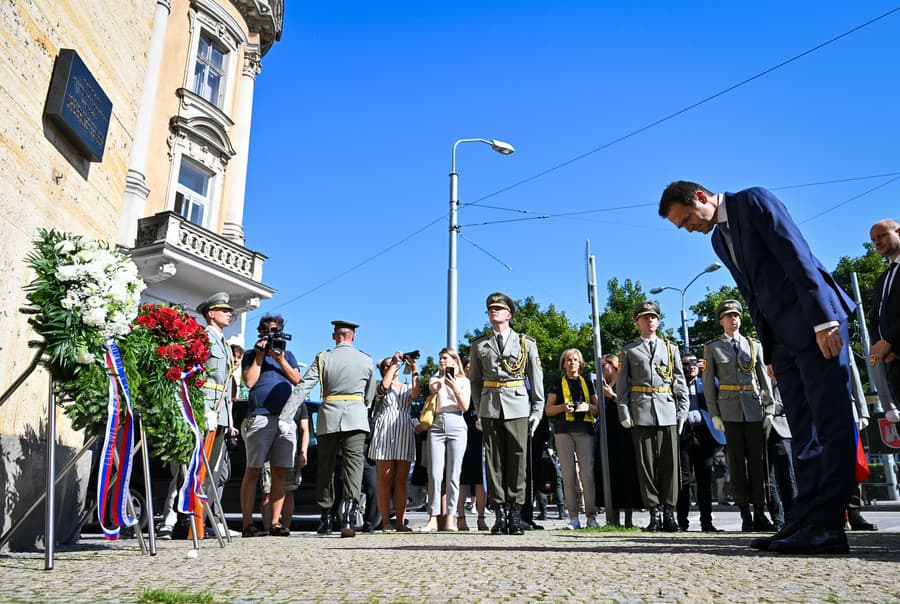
x,y
856,499
893,375
782,486
817,402
656,453
746,460
505,447
371,516
697,459
351,444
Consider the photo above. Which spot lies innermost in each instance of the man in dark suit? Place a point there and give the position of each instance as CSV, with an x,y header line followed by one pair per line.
x,y
884,317
801,317
698,443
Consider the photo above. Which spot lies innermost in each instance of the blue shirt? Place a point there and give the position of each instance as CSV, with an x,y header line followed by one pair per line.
x,y
272,390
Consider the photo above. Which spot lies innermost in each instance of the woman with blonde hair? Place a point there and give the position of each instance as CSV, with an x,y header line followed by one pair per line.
x,y
572,404
447,437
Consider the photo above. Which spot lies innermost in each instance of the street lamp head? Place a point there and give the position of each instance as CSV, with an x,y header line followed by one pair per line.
x,y
712,267
501,147
656,290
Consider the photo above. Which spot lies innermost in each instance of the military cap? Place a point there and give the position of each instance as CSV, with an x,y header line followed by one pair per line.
x,y
646,308
217,301
729,306
345,325
502,300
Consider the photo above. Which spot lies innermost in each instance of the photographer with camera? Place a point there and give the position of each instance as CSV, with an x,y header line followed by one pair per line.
x,y
270,372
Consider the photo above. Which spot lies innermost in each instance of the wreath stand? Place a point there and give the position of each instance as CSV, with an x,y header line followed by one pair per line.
x,y
52,478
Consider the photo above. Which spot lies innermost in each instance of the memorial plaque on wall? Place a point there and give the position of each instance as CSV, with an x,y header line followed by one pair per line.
x,y
78,106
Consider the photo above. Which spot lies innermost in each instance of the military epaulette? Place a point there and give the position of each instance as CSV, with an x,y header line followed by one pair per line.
x,y
528,337
705,344
365,353
479,338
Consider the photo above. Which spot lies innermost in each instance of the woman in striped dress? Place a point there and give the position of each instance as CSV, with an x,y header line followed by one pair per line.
x,y
393,445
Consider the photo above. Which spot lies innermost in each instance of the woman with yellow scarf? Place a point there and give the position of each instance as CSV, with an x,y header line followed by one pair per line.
x,y
573,405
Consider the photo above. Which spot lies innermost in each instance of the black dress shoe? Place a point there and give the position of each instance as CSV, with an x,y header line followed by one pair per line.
x,y
514,519
325,524
763,543
499,527
812,539
655,521
668,524
707,527
761,524
858,523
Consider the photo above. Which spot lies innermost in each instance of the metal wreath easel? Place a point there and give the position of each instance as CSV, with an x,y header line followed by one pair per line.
x,y
52,479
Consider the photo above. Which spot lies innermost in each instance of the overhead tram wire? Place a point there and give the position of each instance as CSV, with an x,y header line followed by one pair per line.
x,y
360,264
846,201
688,108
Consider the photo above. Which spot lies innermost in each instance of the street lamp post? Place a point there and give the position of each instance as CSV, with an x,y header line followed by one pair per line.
x,y
684,326
452,273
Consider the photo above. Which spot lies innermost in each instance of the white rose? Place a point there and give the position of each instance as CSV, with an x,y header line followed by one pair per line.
x,y
67,272
84,357
94,317
65,247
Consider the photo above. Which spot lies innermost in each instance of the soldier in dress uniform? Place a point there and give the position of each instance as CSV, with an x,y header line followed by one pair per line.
x,y
740,401
347,378
653,401
220,383
509,412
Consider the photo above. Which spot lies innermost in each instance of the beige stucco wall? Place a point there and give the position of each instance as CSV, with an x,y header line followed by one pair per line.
x,y
43,181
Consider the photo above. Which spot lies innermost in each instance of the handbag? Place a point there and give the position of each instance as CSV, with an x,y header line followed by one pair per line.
x,y
426,418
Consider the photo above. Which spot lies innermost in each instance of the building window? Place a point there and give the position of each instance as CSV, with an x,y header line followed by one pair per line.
x,y
209,70
192,191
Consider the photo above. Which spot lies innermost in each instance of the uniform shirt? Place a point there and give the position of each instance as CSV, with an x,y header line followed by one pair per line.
x,y
272,390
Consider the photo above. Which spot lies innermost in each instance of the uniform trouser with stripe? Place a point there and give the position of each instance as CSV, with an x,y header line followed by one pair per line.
x,y
746,461
656,453
505,446
351,445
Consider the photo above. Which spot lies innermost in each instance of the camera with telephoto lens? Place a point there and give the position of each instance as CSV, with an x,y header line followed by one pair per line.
x,y
232,443
276,340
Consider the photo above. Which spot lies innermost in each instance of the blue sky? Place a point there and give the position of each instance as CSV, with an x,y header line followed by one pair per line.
x,y
358,106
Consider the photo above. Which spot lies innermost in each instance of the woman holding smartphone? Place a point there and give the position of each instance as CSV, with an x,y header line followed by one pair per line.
x,y
447,437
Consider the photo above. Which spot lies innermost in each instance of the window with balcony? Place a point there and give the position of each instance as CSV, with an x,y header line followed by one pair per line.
x,y
192,191
209,70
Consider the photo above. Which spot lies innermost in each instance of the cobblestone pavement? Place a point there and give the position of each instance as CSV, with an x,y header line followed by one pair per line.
x,y
548,565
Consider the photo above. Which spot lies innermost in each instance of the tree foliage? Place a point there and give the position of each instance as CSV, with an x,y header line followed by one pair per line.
x,y
617,324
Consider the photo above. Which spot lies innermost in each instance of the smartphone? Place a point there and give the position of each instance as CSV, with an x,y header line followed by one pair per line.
x,y
451,371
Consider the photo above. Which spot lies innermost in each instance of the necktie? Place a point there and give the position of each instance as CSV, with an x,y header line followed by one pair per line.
x,y
500,342
651,344
737,347
885,293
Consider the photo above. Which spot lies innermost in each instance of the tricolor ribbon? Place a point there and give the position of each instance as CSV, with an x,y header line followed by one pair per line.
x,y
191,484
118,444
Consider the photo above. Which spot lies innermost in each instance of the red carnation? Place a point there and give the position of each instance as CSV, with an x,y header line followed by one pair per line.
x,y
161,351
199,382
176,352
173,374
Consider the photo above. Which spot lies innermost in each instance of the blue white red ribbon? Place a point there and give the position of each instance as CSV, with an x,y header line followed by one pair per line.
x,y
118,444
191,484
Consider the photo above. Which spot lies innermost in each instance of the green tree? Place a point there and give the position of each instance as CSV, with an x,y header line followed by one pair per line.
x,y
707,325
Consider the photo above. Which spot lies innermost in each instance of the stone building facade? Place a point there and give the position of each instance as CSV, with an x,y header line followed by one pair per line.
x,y
170,186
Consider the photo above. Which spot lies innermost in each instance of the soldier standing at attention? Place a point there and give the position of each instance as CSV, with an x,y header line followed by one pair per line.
x,y
736,404
653,401
348,383
509,412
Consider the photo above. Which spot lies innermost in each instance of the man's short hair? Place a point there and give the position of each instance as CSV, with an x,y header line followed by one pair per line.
x,y
264,322
680,192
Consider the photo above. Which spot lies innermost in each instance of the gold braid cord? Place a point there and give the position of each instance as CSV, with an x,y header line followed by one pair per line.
x,y
517,370
667,374
747,370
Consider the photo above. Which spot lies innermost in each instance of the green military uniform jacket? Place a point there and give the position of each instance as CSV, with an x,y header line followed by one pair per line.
x,y
219,376
651,391
736,386
489,365
348,382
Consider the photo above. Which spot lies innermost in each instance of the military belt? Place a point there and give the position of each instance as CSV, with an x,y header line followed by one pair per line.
x,y
728,388
214,386
344,397
650,389
503,384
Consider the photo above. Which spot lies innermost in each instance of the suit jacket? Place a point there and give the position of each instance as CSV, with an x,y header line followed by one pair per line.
x,y
640,370
516,401
348,382
788,290
722,370
891,312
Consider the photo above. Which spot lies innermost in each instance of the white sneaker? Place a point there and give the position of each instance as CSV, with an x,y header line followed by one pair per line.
x,y
592,522
573,524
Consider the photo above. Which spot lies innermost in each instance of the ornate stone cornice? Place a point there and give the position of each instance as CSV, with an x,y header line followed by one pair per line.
x,y
265,17
252,61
